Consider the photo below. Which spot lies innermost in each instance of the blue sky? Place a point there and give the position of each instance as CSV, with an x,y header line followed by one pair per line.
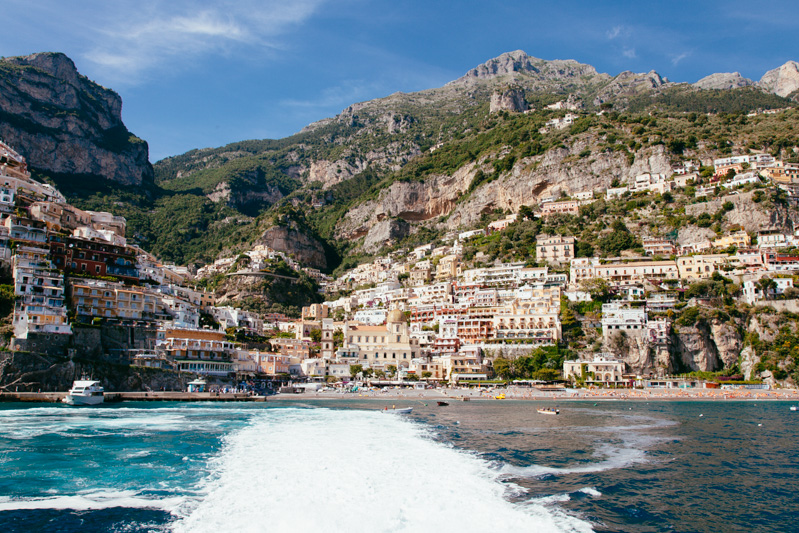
x,y
206,73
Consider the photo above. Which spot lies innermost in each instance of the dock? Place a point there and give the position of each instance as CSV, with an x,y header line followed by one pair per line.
x,y
154,396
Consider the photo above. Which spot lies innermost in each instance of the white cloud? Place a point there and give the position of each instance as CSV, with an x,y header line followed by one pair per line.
x,y
675,59
338,96
629,53
616,31
136,41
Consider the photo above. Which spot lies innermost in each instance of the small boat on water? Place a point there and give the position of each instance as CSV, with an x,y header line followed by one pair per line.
x,y
85,392
499,396
794,408
399,411
442,404
548,411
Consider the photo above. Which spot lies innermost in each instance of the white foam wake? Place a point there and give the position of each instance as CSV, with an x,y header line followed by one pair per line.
x,y
92,501
613,458
326,470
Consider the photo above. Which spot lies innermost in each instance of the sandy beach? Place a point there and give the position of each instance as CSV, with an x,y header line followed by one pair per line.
x,y
526,393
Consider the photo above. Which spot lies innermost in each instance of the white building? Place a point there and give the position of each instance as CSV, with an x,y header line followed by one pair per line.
x,y
616,317
602,370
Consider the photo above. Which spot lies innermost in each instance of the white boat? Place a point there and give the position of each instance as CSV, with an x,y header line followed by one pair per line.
x,y
400,411
793,408
548,411
85,392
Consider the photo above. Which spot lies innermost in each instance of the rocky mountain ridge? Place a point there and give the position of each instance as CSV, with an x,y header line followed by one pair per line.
x,y
782,81
64,123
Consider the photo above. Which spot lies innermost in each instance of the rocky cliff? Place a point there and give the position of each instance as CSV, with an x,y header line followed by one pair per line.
x,y
782,80
724,80
64,123
296,243
30,372
518,62
751,216
509,99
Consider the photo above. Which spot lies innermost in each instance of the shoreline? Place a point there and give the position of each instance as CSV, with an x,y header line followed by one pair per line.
x,y
433,395
519,394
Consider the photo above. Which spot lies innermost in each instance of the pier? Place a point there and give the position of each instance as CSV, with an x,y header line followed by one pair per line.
x,y
154,396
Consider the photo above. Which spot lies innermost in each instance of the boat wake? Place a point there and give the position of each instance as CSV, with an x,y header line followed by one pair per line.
x,y
613,458
92,501
327,470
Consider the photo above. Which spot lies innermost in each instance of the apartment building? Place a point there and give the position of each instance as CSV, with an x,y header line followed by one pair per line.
x,y
39,291
694,267
104,299
627,273
618,317
97,258
554,249
381,346
199,351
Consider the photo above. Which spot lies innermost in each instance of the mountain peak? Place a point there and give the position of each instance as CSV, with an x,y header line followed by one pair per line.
x,y
782,80
55,64
724,80
519,62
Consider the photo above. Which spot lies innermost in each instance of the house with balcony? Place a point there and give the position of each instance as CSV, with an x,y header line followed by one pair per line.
x,y
197,351
94,258
39,292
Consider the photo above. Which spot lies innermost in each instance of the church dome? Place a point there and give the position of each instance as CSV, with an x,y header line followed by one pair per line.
x,y
395,315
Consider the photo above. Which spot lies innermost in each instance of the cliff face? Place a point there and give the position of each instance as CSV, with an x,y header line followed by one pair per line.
x,y
305,249
707,346
751,216
511,99
518,62
724,80
64,123
782,80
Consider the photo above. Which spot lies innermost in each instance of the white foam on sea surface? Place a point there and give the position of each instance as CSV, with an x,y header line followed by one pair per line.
x,y
92,501
21,424
335,470
591,491
612,457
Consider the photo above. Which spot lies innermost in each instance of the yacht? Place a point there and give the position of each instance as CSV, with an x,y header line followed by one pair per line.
x,y
85,392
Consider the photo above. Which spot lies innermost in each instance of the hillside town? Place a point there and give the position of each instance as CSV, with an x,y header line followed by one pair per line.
x,y
417,315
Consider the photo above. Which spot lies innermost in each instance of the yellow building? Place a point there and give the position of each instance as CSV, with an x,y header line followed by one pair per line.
x,y
739,239
92,298
384,345
700,266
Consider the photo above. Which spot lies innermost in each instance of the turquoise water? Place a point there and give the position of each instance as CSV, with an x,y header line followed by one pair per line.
x,y
345,466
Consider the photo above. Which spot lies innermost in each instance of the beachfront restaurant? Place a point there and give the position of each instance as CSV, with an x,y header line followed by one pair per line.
x,y
457,377
213,368
672,383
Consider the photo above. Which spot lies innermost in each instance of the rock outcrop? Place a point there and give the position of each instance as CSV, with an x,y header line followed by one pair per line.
x,y
385,233
411,201
508,99
781,81
751,216
707,346
723,81
292,241
519,62
64,123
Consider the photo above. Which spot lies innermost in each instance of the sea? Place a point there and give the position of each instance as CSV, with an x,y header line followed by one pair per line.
x,y
346,465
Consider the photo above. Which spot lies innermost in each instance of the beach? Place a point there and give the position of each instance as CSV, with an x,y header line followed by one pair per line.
x,y
528,393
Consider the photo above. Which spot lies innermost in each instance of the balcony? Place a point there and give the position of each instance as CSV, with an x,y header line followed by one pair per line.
x,y
127,272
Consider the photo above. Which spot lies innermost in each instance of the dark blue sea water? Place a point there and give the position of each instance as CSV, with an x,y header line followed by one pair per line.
x,y
345,466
